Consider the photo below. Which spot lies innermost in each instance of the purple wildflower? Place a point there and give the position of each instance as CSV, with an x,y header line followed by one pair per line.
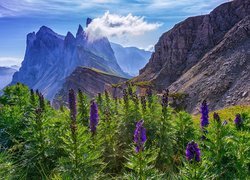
x,y
238,121
149,92
225,123
135,98
193,152
41,101
139,136
204,114
94,117
143,103
72,105
164,102
37,92
130,91
125,96
217,117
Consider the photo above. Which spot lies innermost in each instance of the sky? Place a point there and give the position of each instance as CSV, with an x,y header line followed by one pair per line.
x,y
137,23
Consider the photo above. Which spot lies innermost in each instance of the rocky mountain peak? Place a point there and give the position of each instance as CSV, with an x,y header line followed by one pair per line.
x,y
45,30
182,47
69,39
50,58
88,21
197,42
80,30
30,38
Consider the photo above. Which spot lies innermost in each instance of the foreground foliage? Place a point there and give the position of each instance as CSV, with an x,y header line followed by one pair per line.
x,y
110,138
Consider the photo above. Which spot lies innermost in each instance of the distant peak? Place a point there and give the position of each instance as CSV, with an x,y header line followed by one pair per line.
x,y
70,35
69,38
88,21
30,38
45,29
80,30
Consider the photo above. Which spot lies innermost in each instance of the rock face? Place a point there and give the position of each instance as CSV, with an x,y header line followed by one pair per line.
x,y
50,58
130,59
90,81
222,76
205,57
6,74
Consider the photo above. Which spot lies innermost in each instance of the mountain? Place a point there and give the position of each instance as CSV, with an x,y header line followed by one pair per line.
x,y
89,80
6,74
130,59
206,57
50,58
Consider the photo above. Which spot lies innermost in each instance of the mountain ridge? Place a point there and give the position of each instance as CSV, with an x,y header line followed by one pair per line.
x,y
189,42
50,58
91,81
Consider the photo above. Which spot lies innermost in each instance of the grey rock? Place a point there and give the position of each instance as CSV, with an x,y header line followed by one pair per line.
x,y
205,51
50,58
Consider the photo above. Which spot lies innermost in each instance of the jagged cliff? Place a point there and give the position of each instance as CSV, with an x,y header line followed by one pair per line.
x,y
50,58
206,57
222,76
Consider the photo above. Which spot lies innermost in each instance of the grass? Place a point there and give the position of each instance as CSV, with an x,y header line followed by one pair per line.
x,y
226,113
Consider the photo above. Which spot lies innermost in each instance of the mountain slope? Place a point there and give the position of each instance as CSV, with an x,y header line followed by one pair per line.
x,y
50,58
91,81
130,59
222,76
183,46
206,57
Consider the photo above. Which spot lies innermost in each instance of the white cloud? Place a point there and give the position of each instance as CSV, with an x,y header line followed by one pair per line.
x,y
103,1
150,48
9,61
113,25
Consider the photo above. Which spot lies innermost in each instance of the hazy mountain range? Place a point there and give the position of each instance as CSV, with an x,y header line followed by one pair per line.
x,y
50,58
130,59
6,74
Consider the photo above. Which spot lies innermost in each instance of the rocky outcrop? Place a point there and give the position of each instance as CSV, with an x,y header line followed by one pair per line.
x,y
206,57
183,46
88,80
50,58
222,76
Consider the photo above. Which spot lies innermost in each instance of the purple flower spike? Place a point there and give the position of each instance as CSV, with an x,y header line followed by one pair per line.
x,y
225,123
140,136
238,121
193,152
165,99
204,114
217,117
72,105
94,117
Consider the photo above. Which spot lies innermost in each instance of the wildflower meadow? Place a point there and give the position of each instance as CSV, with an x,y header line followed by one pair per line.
x,y
132,137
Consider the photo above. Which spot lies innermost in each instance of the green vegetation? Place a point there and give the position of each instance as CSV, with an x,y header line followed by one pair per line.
x,y
128,138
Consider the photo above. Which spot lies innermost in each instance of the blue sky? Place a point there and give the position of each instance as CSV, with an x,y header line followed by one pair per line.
x,y
19,17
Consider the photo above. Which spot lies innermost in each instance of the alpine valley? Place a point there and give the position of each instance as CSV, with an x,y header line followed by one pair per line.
x,y
203,57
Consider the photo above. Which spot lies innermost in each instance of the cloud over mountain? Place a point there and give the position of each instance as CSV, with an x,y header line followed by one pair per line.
x,y
111,25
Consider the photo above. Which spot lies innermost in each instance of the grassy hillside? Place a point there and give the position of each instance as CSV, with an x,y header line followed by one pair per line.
x,y
227,113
